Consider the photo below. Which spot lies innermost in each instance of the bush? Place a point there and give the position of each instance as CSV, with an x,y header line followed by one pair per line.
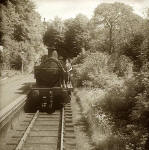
x,y
140,113
96,69
118,94
99,123
119,99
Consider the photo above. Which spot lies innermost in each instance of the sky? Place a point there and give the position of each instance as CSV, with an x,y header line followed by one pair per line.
x,y
64,9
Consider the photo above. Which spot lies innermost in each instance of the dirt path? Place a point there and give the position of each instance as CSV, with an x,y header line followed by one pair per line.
x,y
12,88
82,139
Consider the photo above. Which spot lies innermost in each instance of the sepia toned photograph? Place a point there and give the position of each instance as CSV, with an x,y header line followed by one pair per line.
x,y
74,74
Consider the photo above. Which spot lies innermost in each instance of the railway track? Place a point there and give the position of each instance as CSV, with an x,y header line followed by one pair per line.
x,y
42,131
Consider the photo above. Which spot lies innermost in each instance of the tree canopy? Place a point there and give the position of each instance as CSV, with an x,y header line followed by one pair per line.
x,y
114,24
21,31
68,37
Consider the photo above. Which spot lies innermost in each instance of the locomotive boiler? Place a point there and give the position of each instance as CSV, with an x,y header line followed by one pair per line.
x,y
49,92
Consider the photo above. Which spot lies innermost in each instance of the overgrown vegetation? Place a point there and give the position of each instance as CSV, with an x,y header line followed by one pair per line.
x,y
21,32
68,37
122,100
114,73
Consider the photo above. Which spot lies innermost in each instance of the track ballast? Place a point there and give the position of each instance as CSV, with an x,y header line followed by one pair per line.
x,y
42,131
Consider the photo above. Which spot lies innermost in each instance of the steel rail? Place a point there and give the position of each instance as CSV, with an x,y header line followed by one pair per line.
x,y
23,139
62,130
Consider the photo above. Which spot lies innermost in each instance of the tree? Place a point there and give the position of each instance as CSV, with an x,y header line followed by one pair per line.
x,y
76,35
115,22
21,30
54,36
133,50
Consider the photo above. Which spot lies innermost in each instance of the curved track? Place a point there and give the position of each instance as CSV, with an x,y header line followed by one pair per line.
x,y
42,131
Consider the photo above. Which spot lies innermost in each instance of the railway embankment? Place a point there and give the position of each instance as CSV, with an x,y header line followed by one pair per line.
x,y
114,101
93,122
14,87
83,140
12,99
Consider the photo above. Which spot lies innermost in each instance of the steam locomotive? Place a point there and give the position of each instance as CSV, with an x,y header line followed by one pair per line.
x,y
50,91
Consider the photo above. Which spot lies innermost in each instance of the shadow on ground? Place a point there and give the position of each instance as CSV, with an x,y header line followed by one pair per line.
x,y
25,88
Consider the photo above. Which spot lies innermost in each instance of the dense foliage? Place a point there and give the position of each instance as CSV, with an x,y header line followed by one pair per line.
x,y
116,70
54,36
68,37
21,32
